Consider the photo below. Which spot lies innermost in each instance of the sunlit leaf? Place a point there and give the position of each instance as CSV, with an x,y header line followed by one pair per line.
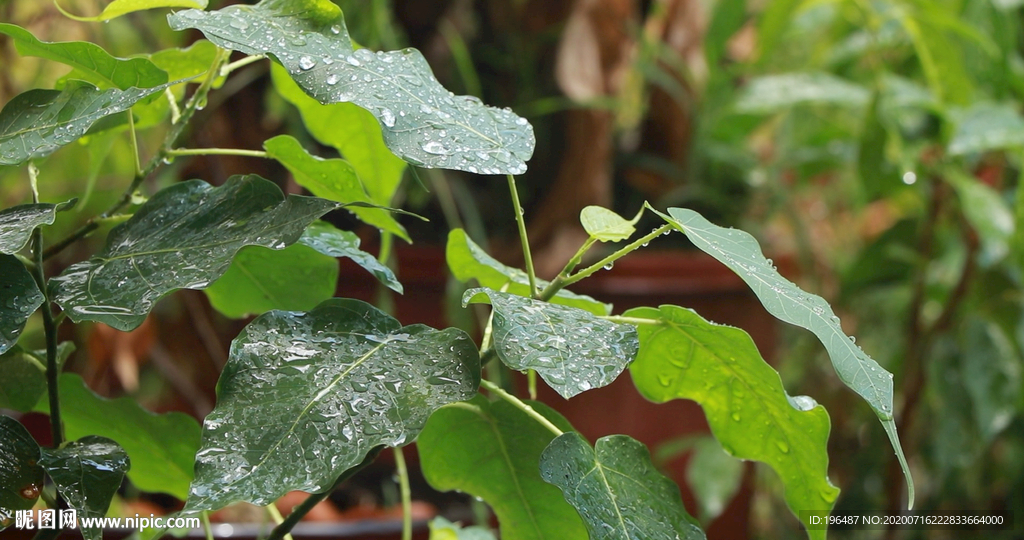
x,y
19,299
442,529
492,451
305,396
771,93
117,8
21,477
985,127
182,238
87,473
607,226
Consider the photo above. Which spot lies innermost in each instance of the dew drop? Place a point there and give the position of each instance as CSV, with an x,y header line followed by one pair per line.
x,y
388,118
434,147
306,62
336,29
352,60
736,416
240,24
332,79
783,446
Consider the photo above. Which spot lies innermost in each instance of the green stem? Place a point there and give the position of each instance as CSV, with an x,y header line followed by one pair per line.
x,y
518,403
403,482
215,152
522,235
134,138
206,524
531,383
635,321
226,70
275,515
49,330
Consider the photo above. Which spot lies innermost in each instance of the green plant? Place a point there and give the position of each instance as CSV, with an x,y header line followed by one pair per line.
x,y
314,389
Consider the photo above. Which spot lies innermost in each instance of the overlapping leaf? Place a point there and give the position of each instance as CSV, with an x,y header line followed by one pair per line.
x,y
492,451
616,489
683,356
87,473
422,122
571,349
18,222
607,226
19,299
24,380
118,8
21,477
182,238
305,396
333,242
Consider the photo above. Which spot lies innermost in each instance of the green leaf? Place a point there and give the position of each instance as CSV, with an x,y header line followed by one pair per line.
x,y
333,242
19,299
492,450
188,62
571,349
607,226
305,396
38,122
683,356
87,473
18,222
442,529
714,477
21,478
986,127
991,374
123,7
360,143
24,380
90,61
469,261
332,179
987,212
787,302
422,122
616,489
182,238
772,93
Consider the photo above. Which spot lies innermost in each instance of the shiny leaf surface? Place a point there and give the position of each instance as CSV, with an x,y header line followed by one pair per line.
x,y
333,242
19,299
118,8
18,222
21,477
87,473
607,226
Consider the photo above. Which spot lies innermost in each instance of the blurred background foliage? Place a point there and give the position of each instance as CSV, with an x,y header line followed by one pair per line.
x,y
878,143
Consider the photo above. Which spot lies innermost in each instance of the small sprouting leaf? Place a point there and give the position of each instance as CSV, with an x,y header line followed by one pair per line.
x,y
442,529
18,222
985,127
21,477
571,349
19,299
333,242
36,123
118,8
683,356
90,61
787,302
422,122
458,450
305,396
616,489
87,473
332,179
182,238
771,93
469,261
607,226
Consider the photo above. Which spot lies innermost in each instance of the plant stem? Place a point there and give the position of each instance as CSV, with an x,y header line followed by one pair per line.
x,y
275,514
531,383
498,391
403,482
635,321
215,152
49,327
226,70
206,524
522,235
135,143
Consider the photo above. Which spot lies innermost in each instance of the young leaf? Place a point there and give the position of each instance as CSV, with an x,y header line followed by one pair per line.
x,y
24,380
442,529
19,299
787,302
772,93
332,179
21,477
18,222
123,7
422,122
683,356
182,238
616,489
571,349
492,450
607,226
188,62
333,242
87,473
305,396
469,261
91,62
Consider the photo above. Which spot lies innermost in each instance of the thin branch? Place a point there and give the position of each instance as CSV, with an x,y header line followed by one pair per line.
x,y
522,235
518,403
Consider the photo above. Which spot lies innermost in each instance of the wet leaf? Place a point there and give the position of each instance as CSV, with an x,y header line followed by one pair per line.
x,y
469,261
24,380
21,478
332,179
607,226
787,302
19,299
683,356
616,489
118,8
90,61
772,93
333,242
571,349
422,122
714,477
305,396
18,222
182,238
442,529
87,473
985,127
492,450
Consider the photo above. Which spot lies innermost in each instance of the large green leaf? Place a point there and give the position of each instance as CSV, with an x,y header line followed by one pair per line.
x,y
90,61
771,93
87,473
24,380
332,179
333,242
572,350
787,302
985,127
422,122
492,450
616,489
683,356
19,299
182,238
118,8
469,261
305,396
38,122
18,222
21,477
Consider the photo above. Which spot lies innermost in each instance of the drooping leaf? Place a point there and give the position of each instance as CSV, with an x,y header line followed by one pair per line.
x,y
118,8
714,477
442,529
607,226
21,477
469,261
492,450
36,123
772,93
683,356
422,122
18,222
571,349
182,238
985,127
333,242
787,302
305,396
987,212
332,179
24,380
91,62
616,489
87,473
19,299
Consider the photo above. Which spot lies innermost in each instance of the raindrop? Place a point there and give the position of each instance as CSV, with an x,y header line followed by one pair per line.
x,y
434,147
736,416
783,446
388,118
336,29
609,266
352,60
332,79
306,62
240,24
